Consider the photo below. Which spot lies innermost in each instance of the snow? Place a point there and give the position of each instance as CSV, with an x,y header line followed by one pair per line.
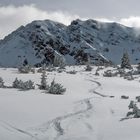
x,y
82,113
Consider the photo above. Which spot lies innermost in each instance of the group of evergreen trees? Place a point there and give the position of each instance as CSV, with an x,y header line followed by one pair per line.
x,y
23,85
54,88
19,84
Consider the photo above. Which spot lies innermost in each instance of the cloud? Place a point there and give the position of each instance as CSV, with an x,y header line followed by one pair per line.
x,y
104,20
132,21
12,17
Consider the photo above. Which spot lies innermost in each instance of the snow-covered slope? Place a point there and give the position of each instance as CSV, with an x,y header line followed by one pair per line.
x,y
84,112
80,41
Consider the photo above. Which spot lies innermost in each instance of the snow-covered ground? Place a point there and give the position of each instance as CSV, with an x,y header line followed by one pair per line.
x,y
87,111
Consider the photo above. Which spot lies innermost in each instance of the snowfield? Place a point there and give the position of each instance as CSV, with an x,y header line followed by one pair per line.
x,y
90,109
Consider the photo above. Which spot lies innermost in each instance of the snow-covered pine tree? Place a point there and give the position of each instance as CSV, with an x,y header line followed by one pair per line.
x,y
138,66
24,69
28,85
56,88
125,62
19,84
88,68
1,83
43,85
131,105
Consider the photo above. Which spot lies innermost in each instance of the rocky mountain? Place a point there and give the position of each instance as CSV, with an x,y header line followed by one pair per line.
x,y
80,42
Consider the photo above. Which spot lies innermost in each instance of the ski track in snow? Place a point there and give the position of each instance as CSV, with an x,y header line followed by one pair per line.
x,y
56,123
12,128
98,86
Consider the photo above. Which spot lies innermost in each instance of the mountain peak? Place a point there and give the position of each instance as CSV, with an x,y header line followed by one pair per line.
x,y
39,40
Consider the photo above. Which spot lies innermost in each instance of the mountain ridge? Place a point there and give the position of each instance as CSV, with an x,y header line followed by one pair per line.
x,y
78,43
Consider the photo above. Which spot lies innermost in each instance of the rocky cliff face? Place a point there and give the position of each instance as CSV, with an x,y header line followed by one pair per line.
x,y
79,43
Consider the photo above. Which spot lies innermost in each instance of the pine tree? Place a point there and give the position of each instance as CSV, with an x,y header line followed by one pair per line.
x,y
24,69
88,68
28,85
56,88
138,67
125,62
1,83
19,84
43,84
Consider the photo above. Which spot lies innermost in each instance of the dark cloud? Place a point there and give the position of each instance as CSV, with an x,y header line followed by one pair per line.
x,y
85,8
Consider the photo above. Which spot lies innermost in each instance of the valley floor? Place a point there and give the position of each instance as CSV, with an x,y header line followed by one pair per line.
x,y
91,108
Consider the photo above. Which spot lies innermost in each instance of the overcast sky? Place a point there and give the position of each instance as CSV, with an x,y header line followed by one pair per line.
x,y
14,13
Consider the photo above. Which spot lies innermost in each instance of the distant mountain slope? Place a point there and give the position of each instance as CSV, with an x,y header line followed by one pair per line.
x,y
81,41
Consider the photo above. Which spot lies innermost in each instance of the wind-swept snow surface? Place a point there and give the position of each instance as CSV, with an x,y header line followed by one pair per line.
x,y
91,108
